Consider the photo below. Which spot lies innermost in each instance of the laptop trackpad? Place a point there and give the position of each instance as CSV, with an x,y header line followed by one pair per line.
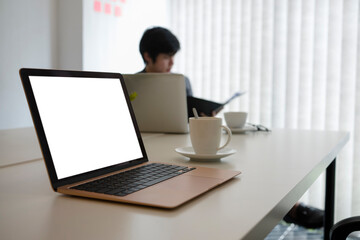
x,y
173,192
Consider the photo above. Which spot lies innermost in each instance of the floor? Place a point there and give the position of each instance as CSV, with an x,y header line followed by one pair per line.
x,y
286,231
291,231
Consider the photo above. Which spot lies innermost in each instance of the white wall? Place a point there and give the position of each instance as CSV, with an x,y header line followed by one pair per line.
x,y
67,34
27,31
111,43
35,34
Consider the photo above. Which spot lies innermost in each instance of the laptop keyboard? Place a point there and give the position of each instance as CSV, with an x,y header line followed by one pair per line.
x,y
133,180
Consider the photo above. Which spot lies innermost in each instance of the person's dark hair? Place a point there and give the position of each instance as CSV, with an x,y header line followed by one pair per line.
x,y
158,40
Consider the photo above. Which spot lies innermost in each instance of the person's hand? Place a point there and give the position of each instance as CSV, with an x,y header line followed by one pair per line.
x,y
213,114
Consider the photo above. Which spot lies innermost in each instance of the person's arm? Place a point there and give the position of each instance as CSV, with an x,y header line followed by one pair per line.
x,y
189,92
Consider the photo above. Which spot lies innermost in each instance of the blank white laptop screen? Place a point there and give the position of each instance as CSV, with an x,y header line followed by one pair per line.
x,y
87,123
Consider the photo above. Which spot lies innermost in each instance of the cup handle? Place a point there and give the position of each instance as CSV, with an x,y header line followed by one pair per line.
x,y
229,137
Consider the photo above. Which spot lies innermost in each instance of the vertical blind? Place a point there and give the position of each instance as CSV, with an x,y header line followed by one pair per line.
x,y
298,62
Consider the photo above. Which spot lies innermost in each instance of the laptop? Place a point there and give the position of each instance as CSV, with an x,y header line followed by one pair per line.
x,y
160,101
92,146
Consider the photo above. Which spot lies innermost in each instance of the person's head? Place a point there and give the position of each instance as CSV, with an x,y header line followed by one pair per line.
x,y
157,48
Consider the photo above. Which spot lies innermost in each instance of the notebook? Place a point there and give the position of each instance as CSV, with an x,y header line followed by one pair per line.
x,y
160,101
92,146
204,106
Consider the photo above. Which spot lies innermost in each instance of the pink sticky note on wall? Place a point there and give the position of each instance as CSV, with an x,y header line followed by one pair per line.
x,y
117,11
107,8
97,6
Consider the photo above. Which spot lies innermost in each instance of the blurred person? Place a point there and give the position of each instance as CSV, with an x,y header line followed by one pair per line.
x,y
158,47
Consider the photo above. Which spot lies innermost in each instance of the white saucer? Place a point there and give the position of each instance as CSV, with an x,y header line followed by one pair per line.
x,y
244,129
189,152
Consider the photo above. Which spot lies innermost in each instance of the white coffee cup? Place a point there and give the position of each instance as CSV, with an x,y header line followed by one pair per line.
x,y
235,119
205,134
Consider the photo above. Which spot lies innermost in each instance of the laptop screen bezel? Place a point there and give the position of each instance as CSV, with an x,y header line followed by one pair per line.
x,y
25,74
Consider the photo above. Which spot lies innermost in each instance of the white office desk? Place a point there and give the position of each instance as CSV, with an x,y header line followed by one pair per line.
x,y
278,167
18,145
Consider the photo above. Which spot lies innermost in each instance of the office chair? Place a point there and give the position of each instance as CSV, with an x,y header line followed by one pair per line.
x,y
343,228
